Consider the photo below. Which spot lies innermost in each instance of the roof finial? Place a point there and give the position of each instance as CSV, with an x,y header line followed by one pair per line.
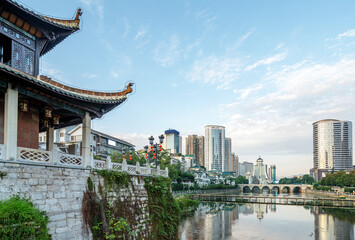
x,y
128,89
78,14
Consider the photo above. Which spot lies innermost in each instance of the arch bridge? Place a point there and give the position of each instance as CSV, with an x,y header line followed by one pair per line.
x,y
278,188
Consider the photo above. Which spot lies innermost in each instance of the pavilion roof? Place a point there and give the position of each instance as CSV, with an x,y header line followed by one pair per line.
x,y
95,102
43,27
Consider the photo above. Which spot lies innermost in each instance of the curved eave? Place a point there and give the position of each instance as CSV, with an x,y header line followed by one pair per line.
x,y
54,30
97,97
27,13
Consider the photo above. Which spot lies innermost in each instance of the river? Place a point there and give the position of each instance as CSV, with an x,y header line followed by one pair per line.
x,y
225,221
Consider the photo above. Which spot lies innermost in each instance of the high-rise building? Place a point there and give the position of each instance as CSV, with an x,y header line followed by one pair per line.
x,y
195,146
172,141
201,150
272,173
214,147
332,147
245,167
191,145
227,155
235,164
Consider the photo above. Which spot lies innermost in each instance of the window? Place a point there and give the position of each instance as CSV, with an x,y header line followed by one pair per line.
x,y
72,138
61,134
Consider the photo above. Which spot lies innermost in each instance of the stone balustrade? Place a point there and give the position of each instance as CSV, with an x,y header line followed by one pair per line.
x,y
42,157
131,169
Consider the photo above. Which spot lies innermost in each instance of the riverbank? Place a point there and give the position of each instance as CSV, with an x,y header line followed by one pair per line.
x,y
329,194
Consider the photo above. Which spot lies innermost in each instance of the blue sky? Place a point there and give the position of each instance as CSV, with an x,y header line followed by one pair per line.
x,y
266,70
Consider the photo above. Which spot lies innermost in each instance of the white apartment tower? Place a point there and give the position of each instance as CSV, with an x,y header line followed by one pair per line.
x,y
215,147
332,146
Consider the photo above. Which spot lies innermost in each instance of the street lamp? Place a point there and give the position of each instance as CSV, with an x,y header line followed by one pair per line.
x,y
154,148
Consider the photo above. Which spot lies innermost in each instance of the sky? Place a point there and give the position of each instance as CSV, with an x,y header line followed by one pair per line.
x,y
266,70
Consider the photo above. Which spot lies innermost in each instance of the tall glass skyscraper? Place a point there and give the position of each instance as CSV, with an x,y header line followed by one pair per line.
x,y
214,147
332,146
172,141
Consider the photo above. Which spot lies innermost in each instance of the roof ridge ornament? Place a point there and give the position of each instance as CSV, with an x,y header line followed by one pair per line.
x,y
78,14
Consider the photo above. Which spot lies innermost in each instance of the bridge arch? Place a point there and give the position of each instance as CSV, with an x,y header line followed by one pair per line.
x,y
297,189
265,189
286,189
246,189
255,189
275,189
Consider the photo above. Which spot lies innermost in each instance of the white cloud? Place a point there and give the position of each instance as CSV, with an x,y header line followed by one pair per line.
x,y
114,74
240,41
95,6
214,70
349,33
51,71
267,61
141,33
277,122
127,27
247,91
89,75
167,52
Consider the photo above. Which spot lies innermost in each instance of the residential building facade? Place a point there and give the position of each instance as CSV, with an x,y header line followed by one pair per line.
x,y
227,155
235,161
332,147
214,147
245,167
195,147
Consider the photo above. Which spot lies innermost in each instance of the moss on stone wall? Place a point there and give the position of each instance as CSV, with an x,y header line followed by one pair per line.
x,y
114,209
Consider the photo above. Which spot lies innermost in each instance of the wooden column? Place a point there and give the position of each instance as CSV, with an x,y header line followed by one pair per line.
x,y
85,145
10,122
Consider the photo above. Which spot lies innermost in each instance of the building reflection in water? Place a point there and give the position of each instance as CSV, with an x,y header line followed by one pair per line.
x,y
215,221
328,226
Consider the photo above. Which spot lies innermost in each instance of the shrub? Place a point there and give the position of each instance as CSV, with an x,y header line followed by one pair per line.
x,y
20,219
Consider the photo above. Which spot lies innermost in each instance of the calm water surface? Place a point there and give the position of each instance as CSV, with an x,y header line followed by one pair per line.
x,y
219,221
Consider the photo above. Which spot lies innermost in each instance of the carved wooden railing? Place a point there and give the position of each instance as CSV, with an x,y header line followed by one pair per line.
x,y
131,169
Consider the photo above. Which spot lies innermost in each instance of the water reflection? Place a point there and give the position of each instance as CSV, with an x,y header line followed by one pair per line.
x,y
220,221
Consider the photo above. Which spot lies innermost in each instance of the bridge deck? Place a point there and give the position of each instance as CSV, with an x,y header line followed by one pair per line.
x,y
330,202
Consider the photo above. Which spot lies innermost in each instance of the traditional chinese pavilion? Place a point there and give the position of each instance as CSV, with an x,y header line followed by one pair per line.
x,y
31,103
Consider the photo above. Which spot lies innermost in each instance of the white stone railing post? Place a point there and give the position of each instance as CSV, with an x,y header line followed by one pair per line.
x,y
149,171
108,162
138,168
91,162
124,165
166,172
55,156
158,170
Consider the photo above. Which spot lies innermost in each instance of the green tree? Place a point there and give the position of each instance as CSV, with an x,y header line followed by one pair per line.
x,y
241,180
306,179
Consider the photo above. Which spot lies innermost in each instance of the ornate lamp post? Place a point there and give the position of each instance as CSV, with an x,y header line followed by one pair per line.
x,y
154,148
124,150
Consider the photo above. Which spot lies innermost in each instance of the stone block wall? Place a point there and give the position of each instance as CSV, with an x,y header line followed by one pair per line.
x,y
59,191
135,202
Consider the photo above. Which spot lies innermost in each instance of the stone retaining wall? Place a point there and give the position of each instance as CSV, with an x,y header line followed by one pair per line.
x,y
59,192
